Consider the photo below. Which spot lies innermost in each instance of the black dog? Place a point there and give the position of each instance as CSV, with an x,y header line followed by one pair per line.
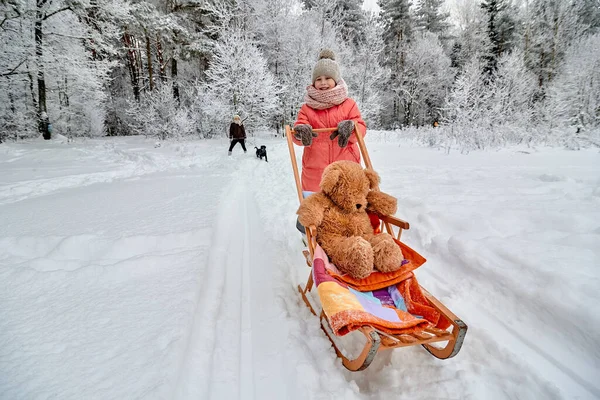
x,y
262,152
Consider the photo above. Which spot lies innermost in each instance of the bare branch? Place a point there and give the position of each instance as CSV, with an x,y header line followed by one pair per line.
x,y
10,30
188,6
12,72
56,12
8,18
68,36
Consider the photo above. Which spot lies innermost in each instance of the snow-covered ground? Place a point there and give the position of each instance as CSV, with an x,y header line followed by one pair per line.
x,y
130,271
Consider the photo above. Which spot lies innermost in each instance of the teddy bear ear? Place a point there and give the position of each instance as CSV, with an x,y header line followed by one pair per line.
x,y
330,178
373,178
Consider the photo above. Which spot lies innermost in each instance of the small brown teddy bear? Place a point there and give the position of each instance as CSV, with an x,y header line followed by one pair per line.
x,y
344,231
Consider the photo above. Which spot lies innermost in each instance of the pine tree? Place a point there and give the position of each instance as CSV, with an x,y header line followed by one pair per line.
x,y
428,17
500,28
398,26
351,20
471,39
398,23
552,26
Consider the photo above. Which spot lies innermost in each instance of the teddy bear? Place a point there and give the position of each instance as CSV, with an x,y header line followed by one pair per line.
x,y
344,230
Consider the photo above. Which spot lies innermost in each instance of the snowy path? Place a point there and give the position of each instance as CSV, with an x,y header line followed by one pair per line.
x,y
226,357
128,271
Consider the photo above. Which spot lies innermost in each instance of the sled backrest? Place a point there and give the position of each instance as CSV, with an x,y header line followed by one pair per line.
x,y
361,144
392,225
310,233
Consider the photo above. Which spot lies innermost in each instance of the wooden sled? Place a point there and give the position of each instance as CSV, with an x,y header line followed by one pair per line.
x,y
440,343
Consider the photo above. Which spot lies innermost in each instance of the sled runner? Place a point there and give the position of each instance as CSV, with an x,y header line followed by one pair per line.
x,y
414,317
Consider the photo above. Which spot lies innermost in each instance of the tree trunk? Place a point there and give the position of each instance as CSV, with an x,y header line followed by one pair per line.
x,y
407,112
149,56
42,110
132,64
541,76
138,53
63,95
174,76
32,89
554,50
364,82
161,61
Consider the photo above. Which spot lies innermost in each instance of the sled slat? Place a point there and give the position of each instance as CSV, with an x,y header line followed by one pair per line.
x,y
308,258
407,339
421,336
438,332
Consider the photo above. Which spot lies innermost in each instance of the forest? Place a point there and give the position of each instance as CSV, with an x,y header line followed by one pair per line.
x,y
484,73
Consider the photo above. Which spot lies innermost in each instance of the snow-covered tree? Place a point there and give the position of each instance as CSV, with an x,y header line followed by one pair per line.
x,y
240,81
588,15
425,82
430,17
574,96
298,54
552,26
509,99
18,97
464,106
500,29
63,49
484,111
351,20
398,29
471,39
364,74
159,115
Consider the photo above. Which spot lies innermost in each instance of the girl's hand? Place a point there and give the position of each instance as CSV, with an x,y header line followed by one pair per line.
x,y
343,132
304,133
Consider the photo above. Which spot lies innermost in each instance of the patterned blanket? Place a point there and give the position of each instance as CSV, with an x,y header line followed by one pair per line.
x,y
392,303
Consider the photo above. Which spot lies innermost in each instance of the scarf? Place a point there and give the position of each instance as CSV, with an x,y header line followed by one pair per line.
x,y
322,99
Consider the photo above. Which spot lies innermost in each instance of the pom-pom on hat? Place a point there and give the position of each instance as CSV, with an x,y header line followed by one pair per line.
x,y
326,66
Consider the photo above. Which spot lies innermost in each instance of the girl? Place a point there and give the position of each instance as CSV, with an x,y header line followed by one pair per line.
x,y
327,105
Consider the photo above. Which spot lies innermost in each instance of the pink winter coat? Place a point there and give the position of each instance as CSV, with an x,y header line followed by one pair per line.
x,y
323,151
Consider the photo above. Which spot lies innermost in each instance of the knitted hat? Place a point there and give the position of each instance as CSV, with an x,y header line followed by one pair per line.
x,y
326,66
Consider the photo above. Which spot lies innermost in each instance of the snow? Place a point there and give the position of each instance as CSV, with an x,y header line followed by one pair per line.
x,y
129,270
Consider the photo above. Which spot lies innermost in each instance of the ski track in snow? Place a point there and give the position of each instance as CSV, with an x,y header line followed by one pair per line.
x,y
224,359
237,328
216,340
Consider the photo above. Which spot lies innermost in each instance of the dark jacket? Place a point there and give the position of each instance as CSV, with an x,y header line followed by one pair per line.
x,y
237,131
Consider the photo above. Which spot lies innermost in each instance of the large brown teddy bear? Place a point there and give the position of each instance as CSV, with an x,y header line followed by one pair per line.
x,y
339,211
